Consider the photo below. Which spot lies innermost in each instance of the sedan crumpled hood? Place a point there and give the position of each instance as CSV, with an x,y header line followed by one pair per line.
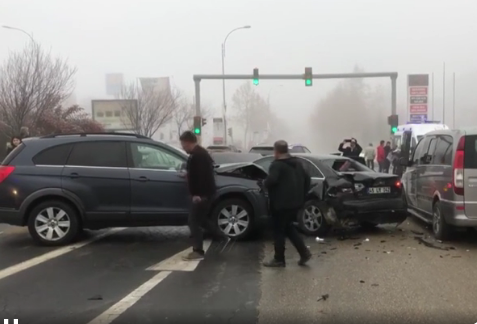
x,y
247,170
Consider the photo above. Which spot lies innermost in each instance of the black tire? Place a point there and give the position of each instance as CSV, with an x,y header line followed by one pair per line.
x,y
368,225
242,205
56,205
442,231
305,224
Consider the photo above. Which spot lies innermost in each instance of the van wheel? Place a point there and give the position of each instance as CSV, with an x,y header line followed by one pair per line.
x,y
441,230
53,223
311,219
234,217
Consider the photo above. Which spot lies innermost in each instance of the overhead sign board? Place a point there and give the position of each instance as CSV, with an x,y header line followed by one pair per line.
x,y
418,92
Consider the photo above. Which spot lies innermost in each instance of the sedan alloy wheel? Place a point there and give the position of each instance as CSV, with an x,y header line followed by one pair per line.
x,y
233,220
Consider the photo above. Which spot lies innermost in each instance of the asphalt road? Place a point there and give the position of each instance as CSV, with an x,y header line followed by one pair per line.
x,y
137,276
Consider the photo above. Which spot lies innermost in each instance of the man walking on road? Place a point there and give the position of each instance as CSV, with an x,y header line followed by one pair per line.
x,y
370,155
287,184
201,181
381,156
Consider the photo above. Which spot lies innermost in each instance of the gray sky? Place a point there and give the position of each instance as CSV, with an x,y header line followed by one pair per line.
x,y
179,38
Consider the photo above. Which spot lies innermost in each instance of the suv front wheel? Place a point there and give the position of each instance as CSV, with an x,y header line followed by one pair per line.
x,y
53,223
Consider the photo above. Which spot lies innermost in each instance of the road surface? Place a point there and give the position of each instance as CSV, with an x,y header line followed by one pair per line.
x,y
137,276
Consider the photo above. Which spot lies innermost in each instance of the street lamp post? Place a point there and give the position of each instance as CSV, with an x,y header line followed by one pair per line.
x,y
223,80
20,30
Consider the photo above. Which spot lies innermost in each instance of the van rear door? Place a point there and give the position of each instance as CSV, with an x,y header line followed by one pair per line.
x,y
470,176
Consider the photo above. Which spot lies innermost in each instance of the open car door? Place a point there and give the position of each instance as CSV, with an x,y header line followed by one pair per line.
x,y
405,152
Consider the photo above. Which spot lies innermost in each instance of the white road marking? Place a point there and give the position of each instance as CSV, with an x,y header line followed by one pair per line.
x,y
175,262
120,307
53,254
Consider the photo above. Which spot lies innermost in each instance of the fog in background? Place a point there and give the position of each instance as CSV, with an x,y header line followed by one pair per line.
x,y
179,38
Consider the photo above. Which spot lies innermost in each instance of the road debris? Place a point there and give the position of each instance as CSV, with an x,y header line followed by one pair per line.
x,y
416,232
366,240
319,240
429,244
361,281
374,285
357,244
323,297
96,297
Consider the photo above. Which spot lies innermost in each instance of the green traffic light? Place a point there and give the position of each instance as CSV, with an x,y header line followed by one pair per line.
x,y
255,81
394,130
308,82
197,130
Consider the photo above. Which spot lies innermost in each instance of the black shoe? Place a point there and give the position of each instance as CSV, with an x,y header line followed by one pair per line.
x,y
273,263
194,256
304,259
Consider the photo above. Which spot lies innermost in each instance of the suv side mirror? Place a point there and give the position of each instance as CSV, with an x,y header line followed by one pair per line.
x,y
427,159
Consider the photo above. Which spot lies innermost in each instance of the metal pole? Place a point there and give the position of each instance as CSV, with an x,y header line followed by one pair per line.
x,y
224,112
433,95
453,102
393,95
197,104
444,94
22,31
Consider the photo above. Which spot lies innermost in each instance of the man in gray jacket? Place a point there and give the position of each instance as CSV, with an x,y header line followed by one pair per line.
x,y
370,155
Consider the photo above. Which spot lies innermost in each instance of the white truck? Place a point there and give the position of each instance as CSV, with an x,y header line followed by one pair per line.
x,y
418,131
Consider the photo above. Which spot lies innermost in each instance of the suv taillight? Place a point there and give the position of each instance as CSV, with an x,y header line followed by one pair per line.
x,y
5,171
458,168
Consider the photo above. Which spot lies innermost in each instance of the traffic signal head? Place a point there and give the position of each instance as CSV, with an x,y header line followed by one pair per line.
x,y
197,125
255,76
308,76
393,121
393,129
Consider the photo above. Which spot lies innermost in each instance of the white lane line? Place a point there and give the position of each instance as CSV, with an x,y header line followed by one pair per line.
x,y
53,254
175,262
120,307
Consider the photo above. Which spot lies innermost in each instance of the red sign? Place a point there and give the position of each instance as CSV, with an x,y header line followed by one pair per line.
x,y
418,91
418,109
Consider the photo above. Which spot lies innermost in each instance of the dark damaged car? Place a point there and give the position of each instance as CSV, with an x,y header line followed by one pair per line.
x,y
59,185
345,193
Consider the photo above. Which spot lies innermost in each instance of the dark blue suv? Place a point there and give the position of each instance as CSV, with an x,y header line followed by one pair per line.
x,y
59,184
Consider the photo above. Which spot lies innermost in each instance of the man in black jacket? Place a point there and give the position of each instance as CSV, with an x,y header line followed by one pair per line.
x,y
353,150
201,181
287,184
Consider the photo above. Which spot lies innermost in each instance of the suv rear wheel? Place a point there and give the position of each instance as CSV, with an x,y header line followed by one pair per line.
x,y
53,223
442,230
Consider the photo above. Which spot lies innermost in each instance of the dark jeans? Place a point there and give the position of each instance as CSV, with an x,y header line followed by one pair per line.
x,y
199,221
370,164
382,166
282,224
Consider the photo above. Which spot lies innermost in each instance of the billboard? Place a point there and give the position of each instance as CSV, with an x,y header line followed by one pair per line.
x,y
114,83
418,94
218,132
112,114
155,84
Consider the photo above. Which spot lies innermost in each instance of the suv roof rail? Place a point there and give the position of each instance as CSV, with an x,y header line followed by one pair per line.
x,y
103,133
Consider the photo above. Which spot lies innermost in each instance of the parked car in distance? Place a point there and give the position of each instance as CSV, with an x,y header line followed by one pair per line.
x,y
223,148
232,157
265,150
345,192
440,180
59,184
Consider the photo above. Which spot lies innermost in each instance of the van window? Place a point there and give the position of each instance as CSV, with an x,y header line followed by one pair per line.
x,y
470,156
421,151
443,152
432,146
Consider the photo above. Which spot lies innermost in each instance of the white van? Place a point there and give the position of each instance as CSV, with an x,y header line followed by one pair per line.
x,y
417,132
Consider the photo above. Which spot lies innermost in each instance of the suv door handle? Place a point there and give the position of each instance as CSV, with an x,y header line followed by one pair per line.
x,y
143,179
74,175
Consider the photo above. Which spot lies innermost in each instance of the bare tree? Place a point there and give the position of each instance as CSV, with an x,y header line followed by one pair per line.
x,y
184,113
146,110
32,82
252,110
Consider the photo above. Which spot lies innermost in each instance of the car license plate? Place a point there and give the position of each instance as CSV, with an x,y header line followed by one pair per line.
x,y
379,190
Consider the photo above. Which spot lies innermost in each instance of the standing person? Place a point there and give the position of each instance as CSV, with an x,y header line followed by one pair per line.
x,y
387,161
370,155
14,142
381,156
287,184
201,181
353,150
